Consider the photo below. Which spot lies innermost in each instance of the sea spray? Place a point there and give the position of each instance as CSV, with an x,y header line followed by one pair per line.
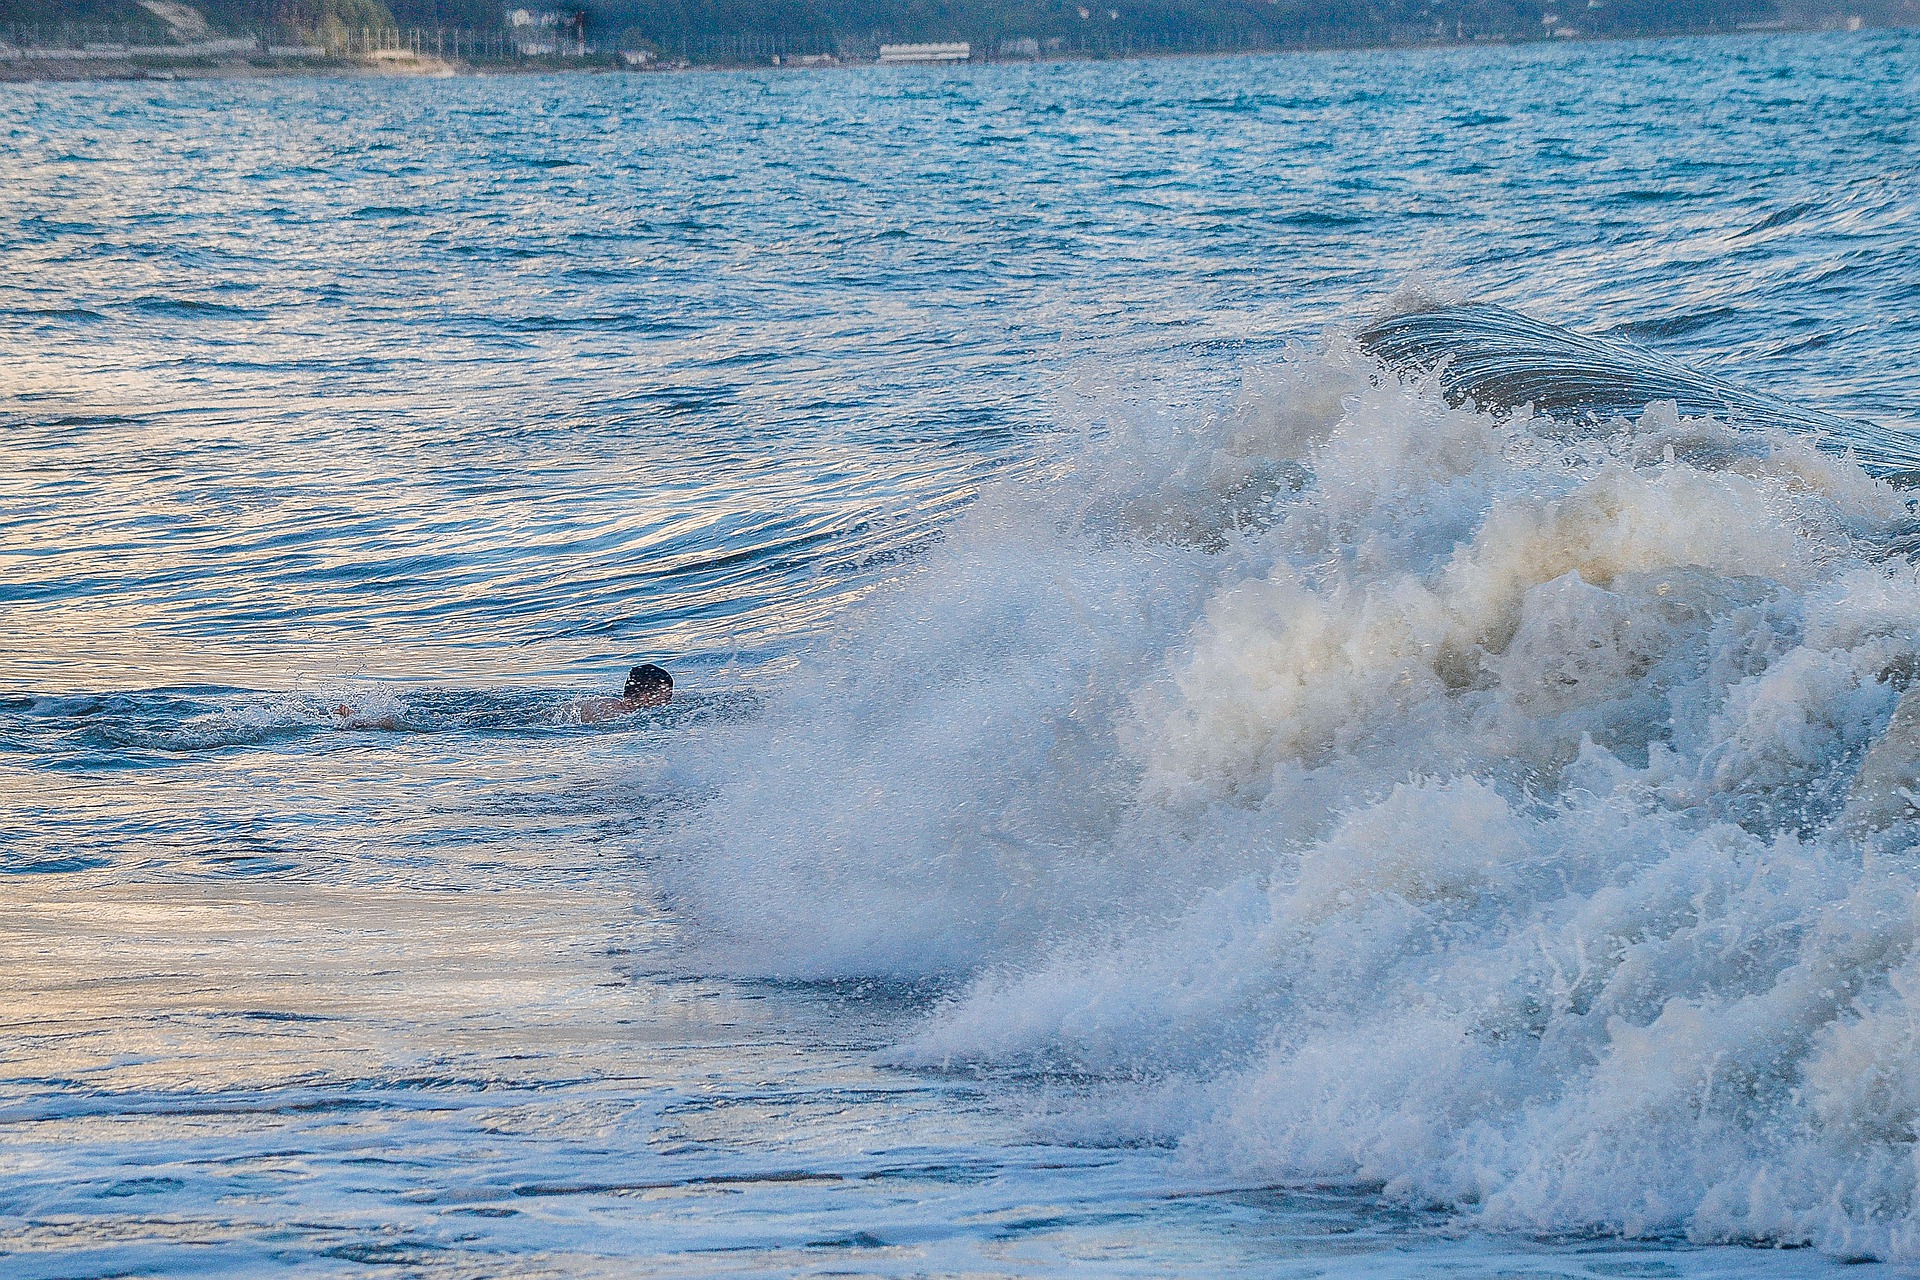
x,y
1373,789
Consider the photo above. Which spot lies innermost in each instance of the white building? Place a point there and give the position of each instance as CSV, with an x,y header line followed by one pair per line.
x,y
895,53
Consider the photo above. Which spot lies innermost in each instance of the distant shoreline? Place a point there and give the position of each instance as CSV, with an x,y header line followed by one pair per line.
x,y
159,69
92,66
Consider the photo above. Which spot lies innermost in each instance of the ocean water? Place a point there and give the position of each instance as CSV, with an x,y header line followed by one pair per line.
x,y
1151,791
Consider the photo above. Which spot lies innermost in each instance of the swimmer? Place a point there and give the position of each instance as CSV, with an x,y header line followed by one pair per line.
x,y
648,686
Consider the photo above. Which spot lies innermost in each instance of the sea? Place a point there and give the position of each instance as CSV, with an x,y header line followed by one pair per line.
x,y
1151,790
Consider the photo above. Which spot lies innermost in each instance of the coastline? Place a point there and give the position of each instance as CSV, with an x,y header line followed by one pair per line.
x,y
91,68
93,65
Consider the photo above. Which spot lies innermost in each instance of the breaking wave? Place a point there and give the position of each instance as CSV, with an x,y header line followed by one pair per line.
x,y
1364,787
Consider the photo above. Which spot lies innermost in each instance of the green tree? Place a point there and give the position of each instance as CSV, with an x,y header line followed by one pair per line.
x,y
331,21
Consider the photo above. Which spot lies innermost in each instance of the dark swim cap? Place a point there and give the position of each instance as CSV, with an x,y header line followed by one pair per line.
x,y
645,679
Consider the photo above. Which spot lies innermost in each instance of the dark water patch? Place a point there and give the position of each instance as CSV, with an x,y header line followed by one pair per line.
x,y
616,322
30,865
69,589
140,1187
83,758
1811,343
1064,1221
1323,219
1230,103
689,400
51,314
190,739
485,252
175,701
1675,326
278,1015
1650,195
858,1240
72,421
953,1174
406,1254
244,865
53,226
161,305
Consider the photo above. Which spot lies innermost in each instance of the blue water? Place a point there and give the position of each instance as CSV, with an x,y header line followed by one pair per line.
x,y
449,399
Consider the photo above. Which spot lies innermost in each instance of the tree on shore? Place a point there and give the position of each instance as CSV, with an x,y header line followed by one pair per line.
x,y
332,22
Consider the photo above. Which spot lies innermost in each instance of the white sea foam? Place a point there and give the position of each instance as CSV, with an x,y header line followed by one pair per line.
x,y
1376,790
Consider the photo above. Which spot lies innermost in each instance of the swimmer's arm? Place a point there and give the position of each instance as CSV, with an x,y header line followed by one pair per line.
x,y
596,710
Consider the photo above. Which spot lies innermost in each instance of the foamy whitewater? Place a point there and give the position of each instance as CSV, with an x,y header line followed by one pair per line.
x,y
1174,769
1372,791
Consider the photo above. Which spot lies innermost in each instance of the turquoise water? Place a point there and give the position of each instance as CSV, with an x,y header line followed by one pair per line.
x,y
928,424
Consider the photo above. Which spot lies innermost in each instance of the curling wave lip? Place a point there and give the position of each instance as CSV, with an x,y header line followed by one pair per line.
x,y
1499,358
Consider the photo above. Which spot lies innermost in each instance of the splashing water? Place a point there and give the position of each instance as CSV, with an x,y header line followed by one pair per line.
x,y
1371,790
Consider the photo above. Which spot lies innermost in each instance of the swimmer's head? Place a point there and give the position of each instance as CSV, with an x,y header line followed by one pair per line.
x,y
648,685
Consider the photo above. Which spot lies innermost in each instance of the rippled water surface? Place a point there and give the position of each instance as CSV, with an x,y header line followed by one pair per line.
x,y
449,399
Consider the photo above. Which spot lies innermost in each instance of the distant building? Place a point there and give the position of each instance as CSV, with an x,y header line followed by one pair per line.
x,y
544,32
896,53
